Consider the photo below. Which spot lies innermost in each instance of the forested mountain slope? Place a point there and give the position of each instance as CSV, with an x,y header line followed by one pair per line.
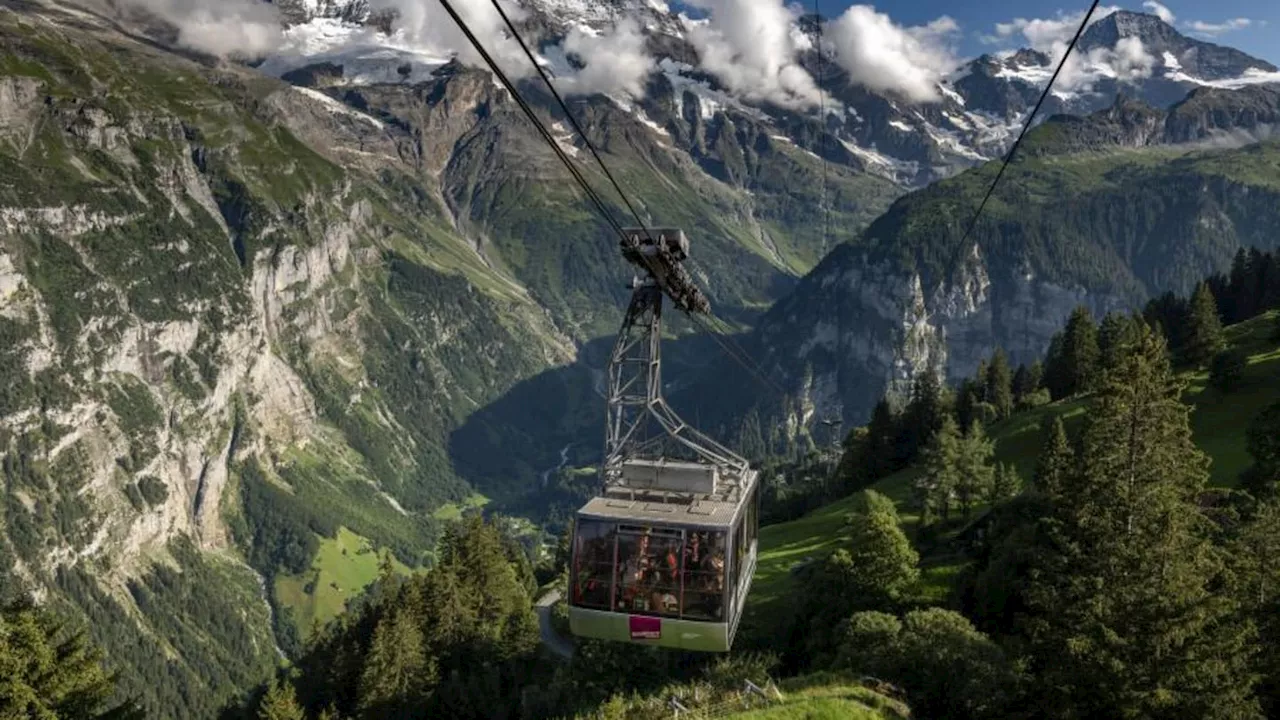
x,y
1105,211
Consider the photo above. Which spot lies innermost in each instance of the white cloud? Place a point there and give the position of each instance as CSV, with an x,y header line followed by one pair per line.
x,y
1214,29
1050,35
427,26
1160,11
750,46
886,57
220,27
615,62
1127,62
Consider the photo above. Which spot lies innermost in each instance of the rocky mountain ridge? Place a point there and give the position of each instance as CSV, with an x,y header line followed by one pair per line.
x,y
980,107
1103,211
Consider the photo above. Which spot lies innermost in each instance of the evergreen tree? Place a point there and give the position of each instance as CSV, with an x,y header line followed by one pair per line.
x,y
1056,460
882,433
1126,619
973,476
883,559
873,573
942,461
49,672
1227,368
280,703
1005,484
1204,328
1057,379
1270,296
968,398
1025,382
1080,355
1257,555
922,417
1262,439
947,667
1167,314
397,671
999,385
1115,332
1237,303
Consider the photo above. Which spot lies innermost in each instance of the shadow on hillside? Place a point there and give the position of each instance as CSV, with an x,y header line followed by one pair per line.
x,y
509,449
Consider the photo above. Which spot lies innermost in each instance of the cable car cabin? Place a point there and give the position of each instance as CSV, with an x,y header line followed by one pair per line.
x,y
664,568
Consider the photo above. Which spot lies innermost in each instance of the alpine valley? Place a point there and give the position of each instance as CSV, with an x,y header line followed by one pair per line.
x,y
264,319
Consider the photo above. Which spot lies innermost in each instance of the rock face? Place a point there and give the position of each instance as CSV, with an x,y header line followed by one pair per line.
x,y
979,108
1103,212
218,346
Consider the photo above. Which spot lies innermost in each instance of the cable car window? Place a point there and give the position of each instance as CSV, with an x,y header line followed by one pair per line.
x,y
740,549
704,575
753,515
593,563
649,571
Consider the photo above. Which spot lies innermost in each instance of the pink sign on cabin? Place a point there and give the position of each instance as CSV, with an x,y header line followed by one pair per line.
x,y
646,628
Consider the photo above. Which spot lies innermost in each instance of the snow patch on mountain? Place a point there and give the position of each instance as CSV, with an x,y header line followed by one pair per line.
x,y
336,107
365,55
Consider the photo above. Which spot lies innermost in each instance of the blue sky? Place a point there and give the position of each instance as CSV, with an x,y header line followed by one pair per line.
x,y
1260,37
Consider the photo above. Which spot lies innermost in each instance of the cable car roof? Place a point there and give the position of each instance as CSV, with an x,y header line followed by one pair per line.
x,y
710,513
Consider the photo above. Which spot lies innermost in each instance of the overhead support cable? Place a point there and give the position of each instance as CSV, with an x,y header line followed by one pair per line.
x,y
565,108
1030,118
528,111
735,352
822,118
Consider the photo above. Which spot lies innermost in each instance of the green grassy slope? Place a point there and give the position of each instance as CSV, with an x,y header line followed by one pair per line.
x,y
826,697
1218,424
343,567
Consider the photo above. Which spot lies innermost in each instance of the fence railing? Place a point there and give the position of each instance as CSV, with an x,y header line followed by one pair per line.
x,y
749,696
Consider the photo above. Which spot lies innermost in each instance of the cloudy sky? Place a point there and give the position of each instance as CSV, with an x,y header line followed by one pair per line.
x,y
905,47
1249,25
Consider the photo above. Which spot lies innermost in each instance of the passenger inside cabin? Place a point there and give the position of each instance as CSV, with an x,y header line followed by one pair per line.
x,y
635,569
704,577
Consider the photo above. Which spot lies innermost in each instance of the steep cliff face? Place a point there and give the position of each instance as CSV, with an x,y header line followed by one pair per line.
x,y
865,327
1105,229
218,346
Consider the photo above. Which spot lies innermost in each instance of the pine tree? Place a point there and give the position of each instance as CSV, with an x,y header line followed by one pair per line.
x,y
941,472
1056,460
1237,302
1056,377
973,475
397,670
1024,384
1256,551
1125,619
999,385
1262,440
968,398
1227,368
1269,297
882,432
48,671
280,703
922,418
883,559
1167,315
1080,352
1204,328
1116,332
1005,484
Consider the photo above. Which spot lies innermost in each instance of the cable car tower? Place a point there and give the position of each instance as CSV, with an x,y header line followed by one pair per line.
x,y
665,554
